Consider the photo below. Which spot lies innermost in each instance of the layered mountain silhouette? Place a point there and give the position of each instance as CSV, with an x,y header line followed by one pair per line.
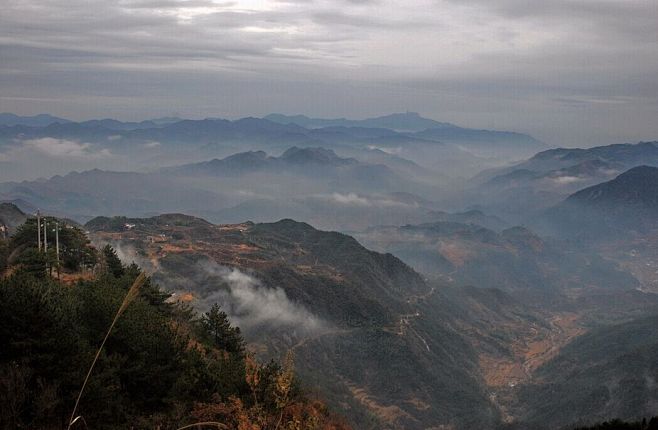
x,y
252,161
112,145
515,260
624,205
41,120
409,121
524,190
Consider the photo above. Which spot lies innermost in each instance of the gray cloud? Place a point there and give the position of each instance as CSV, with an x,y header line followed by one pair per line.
x,y
570,71
252,306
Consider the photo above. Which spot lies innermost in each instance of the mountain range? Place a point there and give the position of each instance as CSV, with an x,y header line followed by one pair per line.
x,y
525,189
387,347
309,183
626,205
515,260
108,143
352,316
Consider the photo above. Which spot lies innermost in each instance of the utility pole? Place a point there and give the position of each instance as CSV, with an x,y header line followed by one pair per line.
x,y
39,229
57,245
45,241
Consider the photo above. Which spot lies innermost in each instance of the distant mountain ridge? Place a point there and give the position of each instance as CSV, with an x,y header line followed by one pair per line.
x,y
515,260
41,120
628,203
439,147
636,188
411,122
524,190
616,157
251,161
408,122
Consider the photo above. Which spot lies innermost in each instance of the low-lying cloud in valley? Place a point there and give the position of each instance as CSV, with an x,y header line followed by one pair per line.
x,y
353,199
50,156
65,148
250,304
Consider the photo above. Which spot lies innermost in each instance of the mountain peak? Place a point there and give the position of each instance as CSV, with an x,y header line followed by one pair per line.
x,y
310,155
401,121
636,187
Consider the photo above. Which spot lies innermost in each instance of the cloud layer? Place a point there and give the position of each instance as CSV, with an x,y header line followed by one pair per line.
x,y
251,305
561,69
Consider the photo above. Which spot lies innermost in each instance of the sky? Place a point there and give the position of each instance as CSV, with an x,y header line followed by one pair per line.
x,y
570,72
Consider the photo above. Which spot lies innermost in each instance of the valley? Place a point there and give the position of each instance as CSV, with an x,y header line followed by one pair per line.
x,y
408,300
510,341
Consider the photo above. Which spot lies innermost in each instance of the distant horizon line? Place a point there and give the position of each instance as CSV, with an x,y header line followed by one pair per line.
x,y
228,117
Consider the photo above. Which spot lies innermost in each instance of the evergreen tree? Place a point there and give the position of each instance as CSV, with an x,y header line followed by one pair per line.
x,y
223,335
4,255
33,262
75,249
112,262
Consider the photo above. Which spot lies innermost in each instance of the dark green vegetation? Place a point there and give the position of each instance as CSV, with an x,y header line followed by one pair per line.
x,y
617,424
4,254
76,253
163,366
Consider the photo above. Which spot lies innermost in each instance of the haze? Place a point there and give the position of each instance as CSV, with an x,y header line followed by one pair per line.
x,y
571,73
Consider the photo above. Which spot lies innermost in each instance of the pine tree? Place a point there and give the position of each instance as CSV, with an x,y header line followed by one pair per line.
x,y
112,262
218,327
4,255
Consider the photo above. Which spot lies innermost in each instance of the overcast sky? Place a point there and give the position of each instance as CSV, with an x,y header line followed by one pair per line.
x,y
571,72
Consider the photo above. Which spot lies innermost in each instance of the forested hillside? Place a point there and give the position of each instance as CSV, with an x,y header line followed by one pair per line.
x,y
163,365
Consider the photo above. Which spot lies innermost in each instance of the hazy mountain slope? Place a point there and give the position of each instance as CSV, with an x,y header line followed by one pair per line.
x,y
471,217
362,324
386,348
11,216
87,194
252,161
455,142
309,184
316,165
608,373
597,161
41,120
409,121
115,145
333,211
628,203
526,189
515,260
486,143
